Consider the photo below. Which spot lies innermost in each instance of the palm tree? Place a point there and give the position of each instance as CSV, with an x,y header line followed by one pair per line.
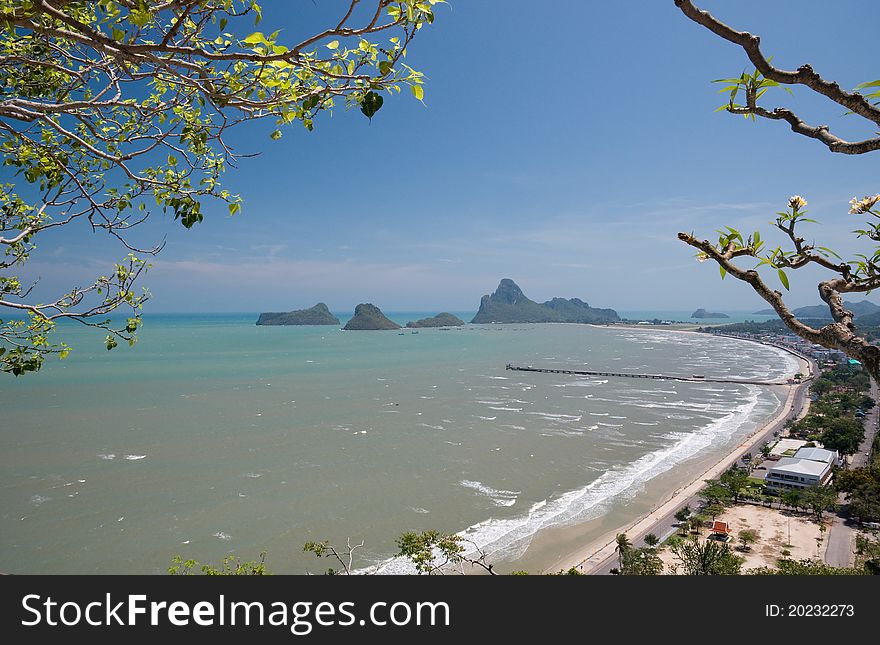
x,y
652,540
623,545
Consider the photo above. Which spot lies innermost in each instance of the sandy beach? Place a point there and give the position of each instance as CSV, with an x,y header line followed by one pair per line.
x,y
593,555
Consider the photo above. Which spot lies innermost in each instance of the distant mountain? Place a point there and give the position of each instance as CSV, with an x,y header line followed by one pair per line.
x,y
317,315
868,320
443,319
860,308
369,317
510,305
702,313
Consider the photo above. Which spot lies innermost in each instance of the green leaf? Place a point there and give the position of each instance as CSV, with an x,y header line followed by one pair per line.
x,y
333,44
371,103
723,271
276,135
418,91
783,279
254,38
234,207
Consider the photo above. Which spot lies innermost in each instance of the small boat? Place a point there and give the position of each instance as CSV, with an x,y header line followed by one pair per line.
x,y
414,332
400,333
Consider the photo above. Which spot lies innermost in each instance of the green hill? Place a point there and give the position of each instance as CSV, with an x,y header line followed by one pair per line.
x,y
443,319
368,317
317,315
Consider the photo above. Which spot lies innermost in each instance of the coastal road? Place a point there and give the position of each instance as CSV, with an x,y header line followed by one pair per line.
x,y
663,525
871,420
842,532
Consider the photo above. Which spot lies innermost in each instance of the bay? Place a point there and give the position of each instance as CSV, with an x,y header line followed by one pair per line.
x,y
215,436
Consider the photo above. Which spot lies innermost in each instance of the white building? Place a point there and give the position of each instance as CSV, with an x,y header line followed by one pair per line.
x,y
819,454
789,473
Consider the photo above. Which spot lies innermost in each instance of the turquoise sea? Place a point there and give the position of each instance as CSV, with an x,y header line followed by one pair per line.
x,y
214,436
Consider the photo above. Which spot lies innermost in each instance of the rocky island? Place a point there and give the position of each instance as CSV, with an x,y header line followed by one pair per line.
x,y
443,319
369,317
510,305
317,315
702,313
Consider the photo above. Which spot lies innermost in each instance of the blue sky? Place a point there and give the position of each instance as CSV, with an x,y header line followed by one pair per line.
x,y
561,144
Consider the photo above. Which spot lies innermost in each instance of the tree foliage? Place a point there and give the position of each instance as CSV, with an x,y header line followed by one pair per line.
x,y
819,499
435,553
707,558
787,567
229,566
641,562
860,274
112,109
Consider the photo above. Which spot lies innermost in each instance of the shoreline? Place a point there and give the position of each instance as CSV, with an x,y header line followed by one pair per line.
x,y
590,557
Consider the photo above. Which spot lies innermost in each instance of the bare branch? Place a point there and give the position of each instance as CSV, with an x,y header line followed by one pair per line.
x,y
804,75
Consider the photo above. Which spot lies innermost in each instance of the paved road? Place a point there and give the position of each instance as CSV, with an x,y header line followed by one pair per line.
x,y
871,420
839,552
664,527
842,532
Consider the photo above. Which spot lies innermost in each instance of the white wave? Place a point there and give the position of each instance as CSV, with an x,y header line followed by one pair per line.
x,y
487,418
107,457
507,409
135,457
428,425
611,425
507,538
419,509
599,414
561,417
499,378
222,536
253,475
36,500
498,497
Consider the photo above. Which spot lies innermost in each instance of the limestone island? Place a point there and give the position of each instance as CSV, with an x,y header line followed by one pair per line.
x,y
509,305
369,317
317,315
443,319
702,313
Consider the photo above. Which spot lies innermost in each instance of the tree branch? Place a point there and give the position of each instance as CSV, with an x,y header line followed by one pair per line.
x,y
852,101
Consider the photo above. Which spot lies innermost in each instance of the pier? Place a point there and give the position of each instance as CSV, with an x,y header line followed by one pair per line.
x,y
659,377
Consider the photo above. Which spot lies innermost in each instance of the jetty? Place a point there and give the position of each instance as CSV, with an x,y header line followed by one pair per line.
x,y
696,378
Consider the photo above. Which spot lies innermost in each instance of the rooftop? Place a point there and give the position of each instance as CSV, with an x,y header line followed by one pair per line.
x,y
792,466
817,454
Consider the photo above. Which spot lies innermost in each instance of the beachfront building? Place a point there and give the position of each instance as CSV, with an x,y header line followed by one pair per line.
x,y
824,455
789,473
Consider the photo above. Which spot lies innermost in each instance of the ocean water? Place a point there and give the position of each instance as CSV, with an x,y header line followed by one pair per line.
x,y
216,436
